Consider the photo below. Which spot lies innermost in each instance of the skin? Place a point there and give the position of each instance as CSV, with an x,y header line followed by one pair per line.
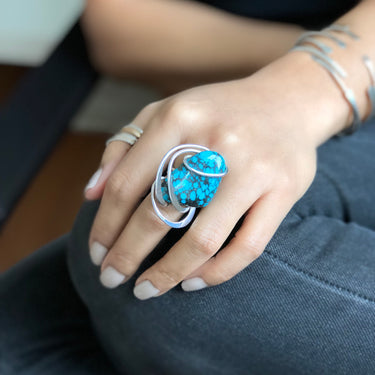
x,y
175,45
267,126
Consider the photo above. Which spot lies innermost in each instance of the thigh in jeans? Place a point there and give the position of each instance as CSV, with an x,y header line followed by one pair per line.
x,y
306,306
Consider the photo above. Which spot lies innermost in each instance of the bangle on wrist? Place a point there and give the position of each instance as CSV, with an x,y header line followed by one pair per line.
x,y
371,89
349,96
319,52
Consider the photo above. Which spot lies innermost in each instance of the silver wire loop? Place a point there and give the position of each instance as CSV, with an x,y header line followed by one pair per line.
x,y
371,89
319,52
156,190
349,96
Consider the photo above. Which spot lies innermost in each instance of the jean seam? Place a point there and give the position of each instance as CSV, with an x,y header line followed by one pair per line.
x,y
320,279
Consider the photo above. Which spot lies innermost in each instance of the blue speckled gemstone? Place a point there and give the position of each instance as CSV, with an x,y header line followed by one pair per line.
x,y
194,190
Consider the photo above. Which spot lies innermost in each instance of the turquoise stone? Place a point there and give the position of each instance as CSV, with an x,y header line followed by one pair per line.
x,y
192,189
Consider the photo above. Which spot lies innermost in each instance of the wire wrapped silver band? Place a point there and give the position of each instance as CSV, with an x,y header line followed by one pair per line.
x,y
343,29
323,32
319,52
188,171
330,62
156,186
129,134
349,96
371,89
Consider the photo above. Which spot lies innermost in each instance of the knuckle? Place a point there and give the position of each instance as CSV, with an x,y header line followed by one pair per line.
x,y
150,107
287,184
148,110
125,261
176,109
117,185
260,167
181,111
203,242
226,138
170,276
250,250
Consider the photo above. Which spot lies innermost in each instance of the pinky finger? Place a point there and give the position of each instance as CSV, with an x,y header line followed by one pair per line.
x,y
260,224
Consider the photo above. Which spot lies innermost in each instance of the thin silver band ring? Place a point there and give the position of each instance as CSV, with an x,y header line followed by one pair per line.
x,y
127,137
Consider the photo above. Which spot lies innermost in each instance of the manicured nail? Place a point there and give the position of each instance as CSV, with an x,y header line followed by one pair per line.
x,y
195,283
97,253
111,278
145,290
93,180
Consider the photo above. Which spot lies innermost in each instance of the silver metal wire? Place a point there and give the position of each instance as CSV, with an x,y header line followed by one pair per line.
x,y
156,191
319,52
349,95
343,29
204,174
371,90
318,44
124,136
313,51
327,34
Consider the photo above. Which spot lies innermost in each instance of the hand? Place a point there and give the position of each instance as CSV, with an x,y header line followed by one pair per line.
x,y
268,137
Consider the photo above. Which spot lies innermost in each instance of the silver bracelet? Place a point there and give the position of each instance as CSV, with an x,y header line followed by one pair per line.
x,y
319,52
371,90
349,96
327,34
313,51
318,44
343,29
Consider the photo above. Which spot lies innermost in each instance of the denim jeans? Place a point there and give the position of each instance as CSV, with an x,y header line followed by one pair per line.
x,y
306,306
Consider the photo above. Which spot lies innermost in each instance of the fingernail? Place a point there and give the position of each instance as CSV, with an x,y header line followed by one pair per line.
x,y
145,290
195,283
111,278
93,180
97,253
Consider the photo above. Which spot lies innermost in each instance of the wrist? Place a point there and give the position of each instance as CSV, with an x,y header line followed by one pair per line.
x,y
305,94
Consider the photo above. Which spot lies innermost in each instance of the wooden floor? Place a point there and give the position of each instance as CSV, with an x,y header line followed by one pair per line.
x,y
49,206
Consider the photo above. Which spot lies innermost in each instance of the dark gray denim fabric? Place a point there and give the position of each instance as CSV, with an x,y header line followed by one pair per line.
x,y
306,306
44,327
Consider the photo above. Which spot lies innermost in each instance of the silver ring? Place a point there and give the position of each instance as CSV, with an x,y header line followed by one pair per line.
x,y
191,185
128,134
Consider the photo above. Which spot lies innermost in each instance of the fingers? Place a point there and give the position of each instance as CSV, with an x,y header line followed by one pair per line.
x,y
128,183
140,236
113,154
205,237
259,226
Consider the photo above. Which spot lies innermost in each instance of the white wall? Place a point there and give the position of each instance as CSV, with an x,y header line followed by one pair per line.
x,y
31,29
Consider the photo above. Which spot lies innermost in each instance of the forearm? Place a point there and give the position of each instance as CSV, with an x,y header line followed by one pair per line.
x,y
187,41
